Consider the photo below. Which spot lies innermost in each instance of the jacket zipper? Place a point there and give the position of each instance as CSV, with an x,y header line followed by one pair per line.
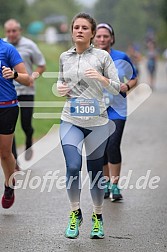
x,y
78,69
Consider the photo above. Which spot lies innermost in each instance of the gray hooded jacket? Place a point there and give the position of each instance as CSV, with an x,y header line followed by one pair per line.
x,y
72,71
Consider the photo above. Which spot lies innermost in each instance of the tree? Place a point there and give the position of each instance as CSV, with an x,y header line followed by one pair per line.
x,y
105,10
28,11
162,35
131,19
164,10
41,8
11,9
126,17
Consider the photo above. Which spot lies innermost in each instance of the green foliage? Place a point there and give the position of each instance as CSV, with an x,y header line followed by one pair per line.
x,y
163,10
104,10
129,23
132,19
162,36
41,8
14,9
38,10
1,32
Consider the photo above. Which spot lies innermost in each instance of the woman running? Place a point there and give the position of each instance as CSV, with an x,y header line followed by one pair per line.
x,y
117,108
84,72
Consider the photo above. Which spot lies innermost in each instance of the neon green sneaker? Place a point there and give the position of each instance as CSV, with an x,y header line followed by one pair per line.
x,y
75,220
97,231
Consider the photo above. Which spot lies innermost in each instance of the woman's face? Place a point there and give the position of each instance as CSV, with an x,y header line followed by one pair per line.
x,y
103,39
82,31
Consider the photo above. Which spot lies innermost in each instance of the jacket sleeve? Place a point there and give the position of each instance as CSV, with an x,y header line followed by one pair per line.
x,y
111,73
60,75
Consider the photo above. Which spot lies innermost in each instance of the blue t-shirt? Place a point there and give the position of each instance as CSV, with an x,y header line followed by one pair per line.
x,y
9,57
117,104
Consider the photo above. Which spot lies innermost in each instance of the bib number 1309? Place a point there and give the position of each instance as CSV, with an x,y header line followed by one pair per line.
x,y
84,107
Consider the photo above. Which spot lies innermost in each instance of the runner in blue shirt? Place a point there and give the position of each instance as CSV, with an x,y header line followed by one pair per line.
x,y
11,67
117,108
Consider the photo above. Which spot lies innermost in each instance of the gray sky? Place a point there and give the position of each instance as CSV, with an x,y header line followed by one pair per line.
x,y
87,2
84,2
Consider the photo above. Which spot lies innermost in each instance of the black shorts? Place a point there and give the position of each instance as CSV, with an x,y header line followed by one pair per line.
x,y
8,119
113,150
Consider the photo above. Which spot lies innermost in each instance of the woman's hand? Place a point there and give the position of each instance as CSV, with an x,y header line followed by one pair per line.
x,y
93,74
63,88
123,88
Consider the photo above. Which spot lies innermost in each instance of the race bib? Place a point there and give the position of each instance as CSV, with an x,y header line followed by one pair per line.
x,y
84,107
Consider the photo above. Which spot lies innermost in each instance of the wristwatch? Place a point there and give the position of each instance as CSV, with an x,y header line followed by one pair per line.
x,y
128,86
15,75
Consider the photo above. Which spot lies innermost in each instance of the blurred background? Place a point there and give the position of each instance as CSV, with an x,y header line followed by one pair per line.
x,y
133,20
48,24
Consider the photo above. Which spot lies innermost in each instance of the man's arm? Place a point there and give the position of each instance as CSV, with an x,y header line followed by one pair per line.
x,y
38,71
22,77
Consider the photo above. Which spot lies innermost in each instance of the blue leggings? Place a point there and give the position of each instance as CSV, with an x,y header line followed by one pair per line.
x,y
95,139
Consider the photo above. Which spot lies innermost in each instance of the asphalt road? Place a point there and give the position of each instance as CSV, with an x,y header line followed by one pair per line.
x,y
37,220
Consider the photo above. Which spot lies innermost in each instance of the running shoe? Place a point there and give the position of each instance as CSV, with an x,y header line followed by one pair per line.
x,y
8,197
75,220
107,190
28,154
97,231
115,194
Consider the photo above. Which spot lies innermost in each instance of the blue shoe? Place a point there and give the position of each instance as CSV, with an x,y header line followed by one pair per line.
x,y
97,231
75,220
115,194
107,190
